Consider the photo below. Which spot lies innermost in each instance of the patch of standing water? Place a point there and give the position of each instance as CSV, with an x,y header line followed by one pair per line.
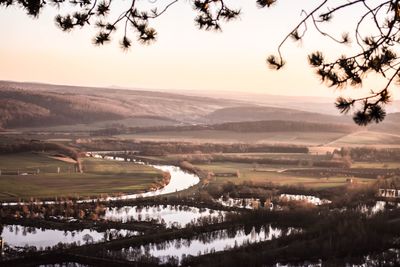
x,y
172,216
243,203
202,244
309,199
64,264
22,236
303,264
378,207
255,203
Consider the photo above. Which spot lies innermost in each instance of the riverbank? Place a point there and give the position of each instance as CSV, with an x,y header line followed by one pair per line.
x,y
44,178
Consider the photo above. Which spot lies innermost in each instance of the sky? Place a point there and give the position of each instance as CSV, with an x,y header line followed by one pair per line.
x,y
182,58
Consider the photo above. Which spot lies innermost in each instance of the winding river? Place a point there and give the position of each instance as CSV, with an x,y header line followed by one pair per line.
x,y
180,180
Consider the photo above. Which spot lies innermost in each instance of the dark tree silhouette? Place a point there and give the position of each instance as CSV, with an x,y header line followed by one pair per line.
x,y
376,51
210,14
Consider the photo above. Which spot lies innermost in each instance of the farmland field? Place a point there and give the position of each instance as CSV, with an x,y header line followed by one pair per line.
x,y
368,138
231,167
216,136
99,177
273,174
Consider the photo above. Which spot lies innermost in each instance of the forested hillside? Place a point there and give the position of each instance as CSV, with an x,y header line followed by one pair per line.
x,y
27,105
21,108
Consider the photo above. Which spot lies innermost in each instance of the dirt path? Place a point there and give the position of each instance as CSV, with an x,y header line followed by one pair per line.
x,y
64,159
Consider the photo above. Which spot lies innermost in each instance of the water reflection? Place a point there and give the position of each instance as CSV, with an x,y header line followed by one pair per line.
x,y
65,264
21,236
377,207
302,264
244,203
202,244
390,257
170,215
255,203
308,199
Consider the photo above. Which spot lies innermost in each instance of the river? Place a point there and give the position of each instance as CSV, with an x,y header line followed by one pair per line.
x,y
180,180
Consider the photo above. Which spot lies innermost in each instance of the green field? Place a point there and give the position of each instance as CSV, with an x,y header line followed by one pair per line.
x,y
30,162
99,177
271,174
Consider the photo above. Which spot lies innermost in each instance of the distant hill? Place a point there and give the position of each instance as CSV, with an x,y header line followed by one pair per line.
x,y
30,104
24,105
14,112
321,105
22,108
391,124
257,113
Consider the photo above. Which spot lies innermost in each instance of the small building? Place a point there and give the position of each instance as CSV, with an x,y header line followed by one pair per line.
x,y
389,193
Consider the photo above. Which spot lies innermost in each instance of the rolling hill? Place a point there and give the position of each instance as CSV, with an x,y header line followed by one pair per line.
x,y
391,124
27,105
258,113
69,108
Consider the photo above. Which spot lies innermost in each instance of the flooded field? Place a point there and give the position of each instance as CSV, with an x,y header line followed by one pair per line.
x,y
171,216
379,206
243,203
40,238
308,199
255,203
204,243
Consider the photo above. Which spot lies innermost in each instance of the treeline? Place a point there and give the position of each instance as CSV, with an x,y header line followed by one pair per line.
x,y
373,154
150,148
187,148
248,126
283,161
336,238
38,146
353,172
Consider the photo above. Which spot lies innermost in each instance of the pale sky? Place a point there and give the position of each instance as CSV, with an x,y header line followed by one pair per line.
x,y
183,57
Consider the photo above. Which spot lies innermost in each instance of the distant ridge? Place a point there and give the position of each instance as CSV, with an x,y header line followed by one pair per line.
x,y
256,113
44,105
35,104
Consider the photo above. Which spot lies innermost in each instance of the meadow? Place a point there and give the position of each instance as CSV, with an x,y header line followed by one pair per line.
x,y
263,174
368,138
98,177
224,136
